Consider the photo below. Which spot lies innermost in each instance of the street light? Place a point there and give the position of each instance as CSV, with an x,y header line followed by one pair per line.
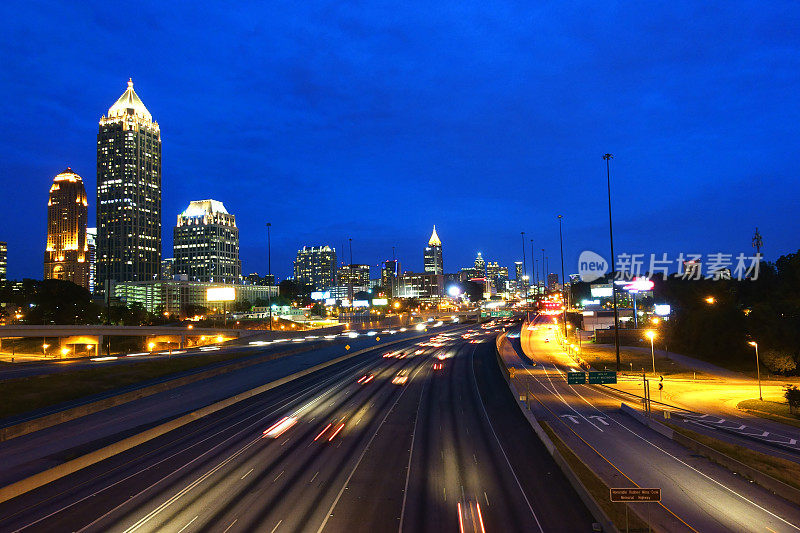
x,y
754,344
710,300
563,281
650,334
607,158
269,274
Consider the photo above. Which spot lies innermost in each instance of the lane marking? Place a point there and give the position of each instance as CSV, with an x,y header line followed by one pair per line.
x,y
187,525
247,474
410,455
231,525
276,526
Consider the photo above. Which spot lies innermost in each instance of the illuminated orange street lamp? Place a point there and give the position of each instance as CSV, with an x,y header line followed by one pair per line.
x,y
710,300
754,344
650,334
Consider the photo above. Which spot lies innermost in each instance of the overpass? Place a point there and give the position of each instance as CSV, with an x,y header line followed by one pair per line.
x,y
92,336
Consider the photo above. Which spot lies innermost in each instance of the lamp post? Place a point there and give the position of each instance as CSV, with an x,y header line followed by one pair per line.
x,y
524,267
754,344
607,158
269,273
650,334
563,282
532,278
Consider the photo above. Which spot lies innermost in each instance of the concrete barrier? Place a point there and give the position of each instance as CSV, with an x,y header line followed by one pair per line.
x,y
52,474
655,425
53,419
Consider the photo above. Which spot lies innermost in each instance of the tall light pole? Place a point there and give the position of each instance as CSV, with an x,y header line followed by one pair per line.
x,y
544,273
563,282
650,334
270,281
758,369
524,267
608,158
532,275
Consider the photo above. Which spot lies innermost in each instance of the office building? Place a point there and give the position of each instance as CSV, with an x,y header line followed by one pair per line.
x,y
552,280
180,297
518,273
423,286
434,264
65,256
390,273
3,261
168,268
206,243
355,275
315,267
480,265
91,256
128,192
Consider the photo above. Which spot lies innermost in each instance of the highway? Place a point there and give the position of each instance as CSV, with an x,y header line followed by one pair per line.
x,y
701,495
414,438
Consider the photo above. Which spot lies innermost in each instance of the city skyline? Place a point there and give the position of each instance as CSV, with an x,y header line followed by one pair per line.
x,y
314,128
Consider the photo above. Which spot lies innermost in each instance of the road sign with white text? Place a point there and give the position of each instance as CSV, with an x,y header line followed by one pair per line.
x,y
576,378
602,377
635,495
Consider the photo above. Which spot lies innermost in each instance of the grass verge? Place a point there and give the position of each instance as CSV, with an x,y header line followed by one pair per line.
x,y
596,487
777,411
28,394
777,467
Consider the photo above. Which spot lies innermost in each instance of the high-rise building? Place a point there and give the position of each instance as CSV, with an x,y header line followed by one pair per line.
x,y
67,212
356,276
389,276
518,271
552,280
315,267
433,255
206,243
128,192
425,286
480,264
91,256
168,268
3,261
492,270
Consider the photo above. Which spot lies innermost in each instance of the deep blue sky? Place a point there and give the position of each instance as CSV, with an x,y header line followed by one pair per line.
x,y
377,120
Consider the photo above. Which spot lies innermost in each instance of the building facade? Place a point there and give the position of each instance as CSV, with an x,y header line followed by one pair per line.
x,y
356,276
180,296
66,253
128,192
424,286
315,266
432,258
91,254
206,244
480,264
3,261
390,273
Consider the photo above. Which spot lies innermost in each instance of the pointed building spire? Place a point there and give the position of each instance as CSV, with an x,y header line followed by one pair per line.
x,y
434,240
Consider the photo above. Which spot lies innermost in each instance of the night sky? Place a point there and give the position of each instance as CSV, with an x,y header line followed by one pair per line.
x,y
378,120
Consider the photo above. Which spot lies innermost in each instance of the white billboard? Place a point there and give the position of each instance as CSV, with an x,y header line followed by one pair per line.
x,y
220,294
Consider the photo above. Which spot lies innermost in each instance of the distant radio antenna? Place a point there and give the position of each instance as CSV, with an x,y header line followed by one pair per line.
x,y
758,242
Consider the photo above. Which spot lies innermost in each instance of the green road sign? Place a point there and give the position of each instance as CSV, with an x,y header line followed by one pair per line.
x,y
576,378
602,377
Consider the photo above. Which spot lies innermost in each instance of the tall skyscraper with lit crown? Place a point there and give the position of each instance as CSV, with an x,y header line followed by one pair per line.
x,y
433,255
66,256
206,243
128,192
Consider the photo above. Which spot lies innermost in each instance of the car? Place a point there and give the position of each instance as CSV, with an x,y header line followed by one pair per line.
x,y
401,378
547,340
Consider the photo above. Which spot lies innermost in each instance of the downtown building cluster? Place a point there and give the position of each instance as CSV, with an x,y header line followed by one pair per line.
x,y
121,259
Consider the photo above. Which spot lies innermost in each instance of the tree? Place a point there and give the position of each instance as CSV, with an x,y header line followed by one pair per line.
x,y
778,362
792,395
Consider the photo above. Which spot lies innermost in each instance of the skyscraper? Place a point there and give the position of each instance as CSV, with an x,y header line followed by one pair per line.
x,y
480,264
66,254
3,261
206,243
433,255
91,256
315,267
128,192
389,276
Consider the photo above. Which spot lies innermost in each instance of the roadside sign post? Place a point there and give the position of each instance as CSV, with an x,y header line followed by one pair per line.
x,y
635,495
576,378
602,377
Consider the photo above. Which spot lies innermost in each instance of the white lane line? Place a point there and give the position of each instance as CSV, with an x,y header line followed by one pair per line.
x,y
247,474
363,453
313,478
510,468
276,526
279,475
231,525
487,498
410,454
187,525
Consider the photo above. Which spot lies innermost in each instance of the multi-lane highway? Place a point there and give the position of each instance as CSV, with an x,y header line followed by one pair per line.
x,y
408,438
696,494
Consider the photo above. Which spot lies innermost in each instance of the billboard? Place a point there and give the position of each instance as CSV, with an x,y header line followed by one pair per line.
x,y
360,303
380,301
601,291
220,294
